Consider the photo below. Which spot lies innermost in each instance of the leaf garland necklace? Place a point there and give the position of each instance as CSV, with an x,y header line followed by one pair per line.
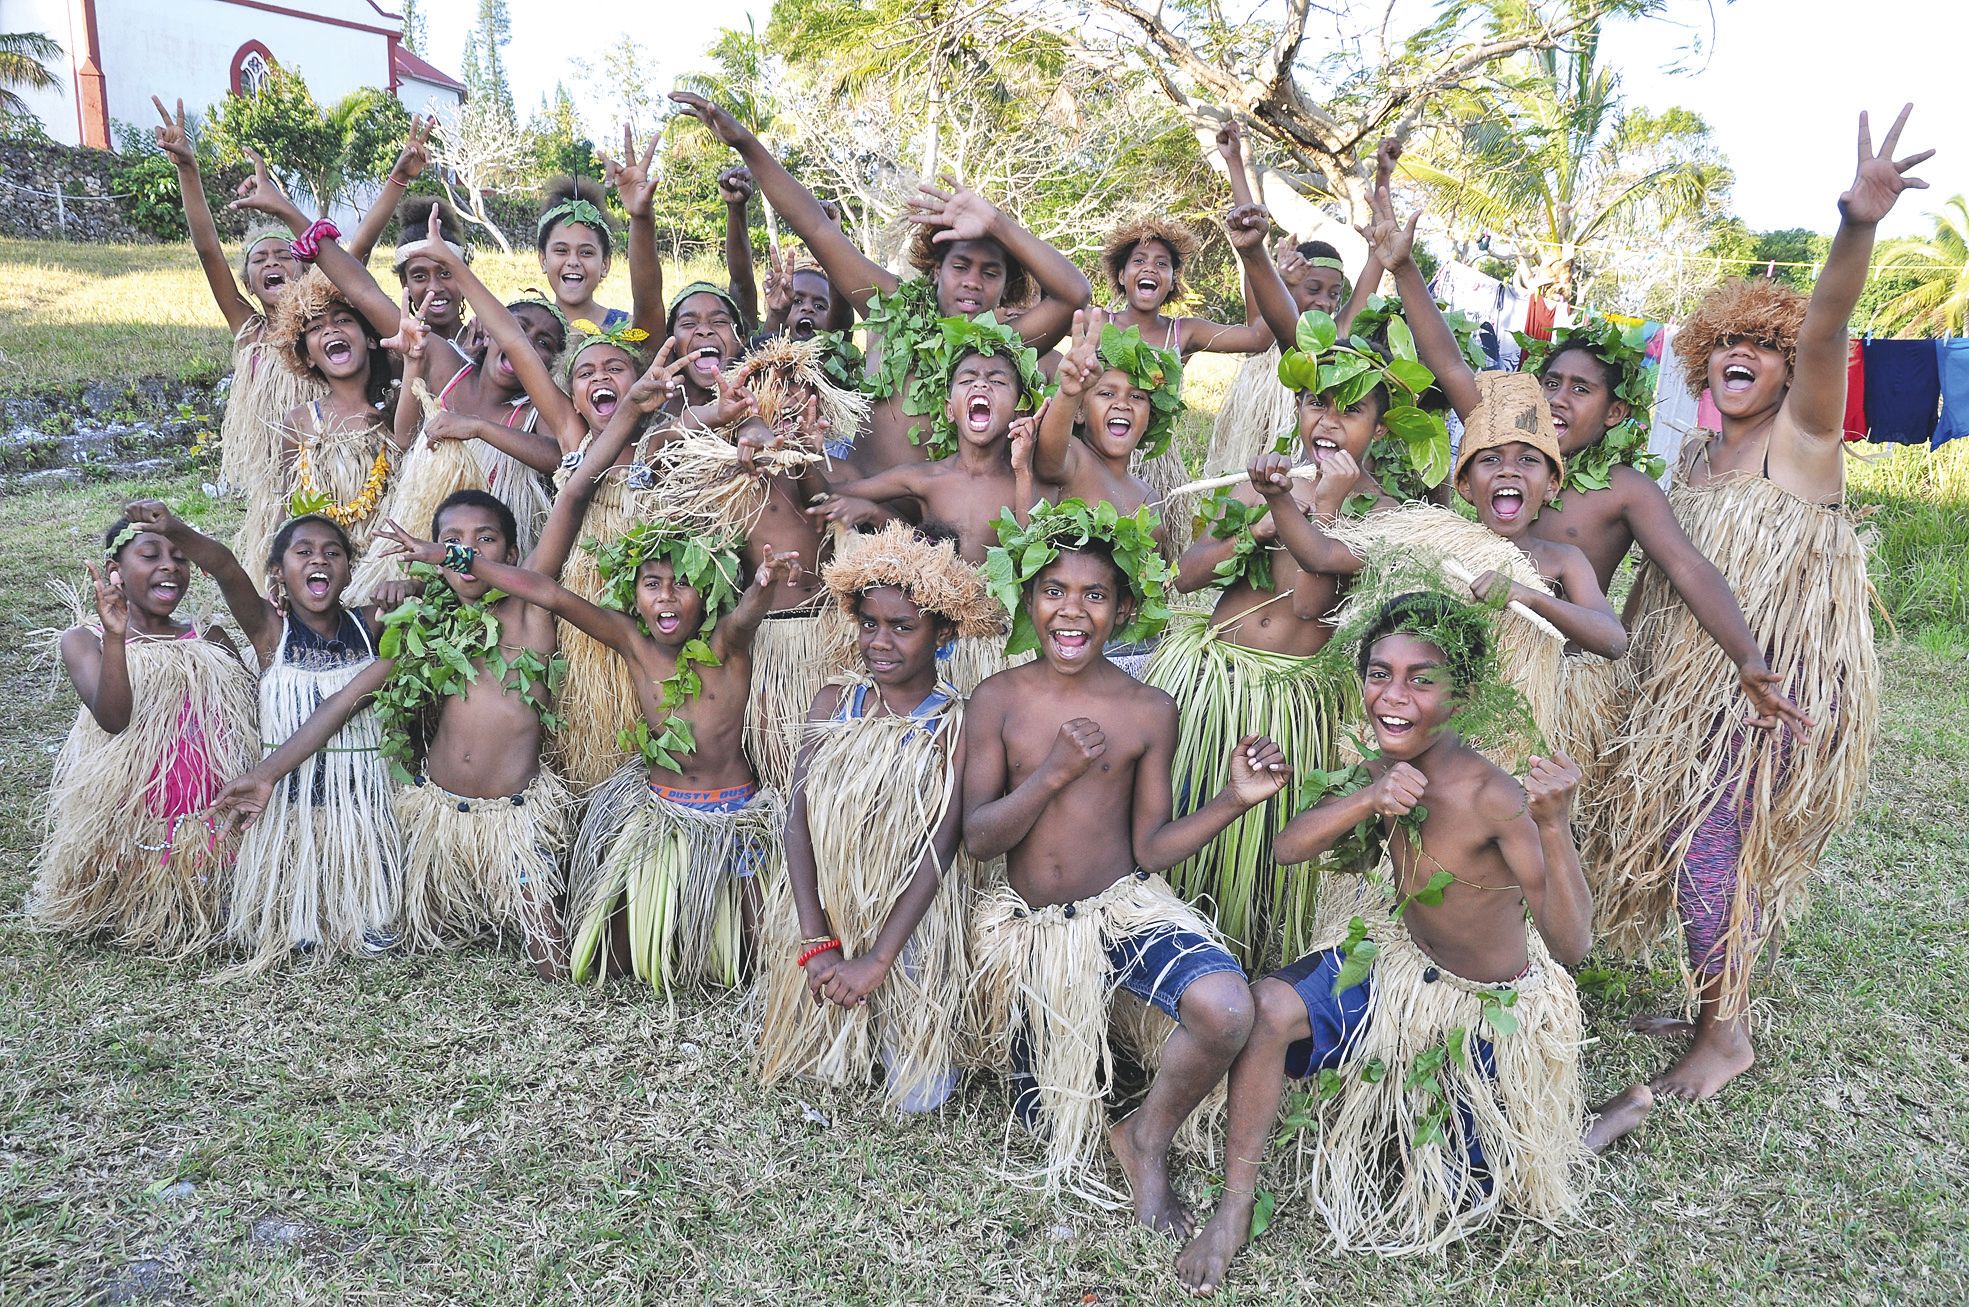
x,y
709,570
1227,517
1623,352
311,498
437,645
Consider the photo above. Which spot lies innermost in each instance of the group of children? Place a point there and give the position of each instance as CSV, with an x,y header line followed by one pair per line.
x,y
849,674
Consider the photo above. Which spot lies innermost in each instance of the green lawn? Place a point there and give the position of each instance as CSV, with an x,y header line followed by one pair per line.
x,y
448,1129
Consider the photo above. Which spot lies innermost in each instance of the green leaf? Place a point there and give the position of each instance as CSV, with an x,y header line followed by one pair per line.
x,y
1414,377
1263,1204
1316,332
1375,1071
1359,961
1401,342
1431,895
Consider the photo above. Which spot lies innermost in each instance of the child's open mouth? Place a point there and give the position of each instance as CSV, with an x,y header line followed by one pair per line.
x,y
803,328
573,279
1394,727
164,592
1738,378
706,366
668,623
1120,428
968,305
273,279
337,350
316,584
1069,642
436,305
1324,448
602,399
1507,504
977,413
1147,286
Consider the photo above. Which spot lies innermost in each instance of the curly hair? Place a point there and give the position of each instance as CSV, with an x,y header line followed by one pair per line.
x,y
930,573
308,301
926,255
1757,308
1182,243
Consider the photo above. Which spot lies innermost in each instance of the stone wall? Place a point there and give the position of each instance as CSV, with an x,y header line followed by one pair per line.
x,y
84,176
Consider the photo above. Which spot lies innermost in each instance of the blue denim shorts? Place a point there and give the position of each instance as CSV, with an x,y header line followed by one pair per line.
x,y
1160,965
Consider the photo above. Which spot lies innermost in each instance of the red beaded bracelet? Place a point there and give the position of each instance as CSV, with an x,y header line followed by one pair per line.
x,y
825,946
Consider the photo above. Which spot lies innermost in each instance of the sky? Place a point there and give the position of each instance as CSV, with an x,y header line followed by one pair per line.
x,y
1780,82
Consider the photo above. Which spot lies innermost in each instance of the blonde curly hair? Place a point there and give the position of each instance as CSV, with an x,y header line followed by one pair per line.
x,y
1757,307
930,573
1182,242
307,300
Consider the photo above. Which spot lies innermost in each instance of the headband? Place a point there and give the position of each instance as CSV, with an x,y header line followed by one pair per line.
x,y
129,532
409,248
1323,262
704,288
573,209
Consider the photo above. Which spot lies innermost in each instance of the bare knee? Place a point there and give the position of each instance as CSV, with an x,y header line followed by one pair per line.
x,y
1281,1013
1217,1012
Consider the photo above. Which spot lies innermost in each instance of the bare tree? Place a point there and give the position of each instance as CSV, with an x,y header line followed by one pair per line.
x,y
475,153
1321,103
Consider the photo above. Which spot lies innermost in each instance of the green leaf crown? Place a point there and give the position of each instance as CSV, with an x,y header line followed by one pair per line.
x,y
1052,529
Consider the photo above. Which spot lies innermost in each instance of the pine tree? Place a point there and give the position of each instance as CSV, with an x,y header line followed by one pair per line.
x,y
493,31
413,28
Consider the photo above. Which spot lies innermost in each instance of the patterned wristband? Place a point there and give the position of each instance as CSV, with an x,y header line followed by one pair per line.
x,y
308,244
458,558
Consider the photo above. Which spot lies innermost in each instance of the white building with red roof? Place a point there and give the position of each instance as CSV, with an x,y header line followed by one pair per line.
x,y
119,53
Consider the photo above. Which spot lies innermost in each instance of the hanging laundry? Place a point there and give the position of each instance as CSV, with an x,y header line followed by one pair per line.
x,y
1674,414
1708,416
1855,391
1952,366
1903,390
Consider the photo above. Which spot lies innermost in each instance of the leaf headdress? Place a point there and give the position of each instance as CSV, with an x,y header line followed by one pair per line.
x,y
1348,371
1053,529
920,349
1152,368
585,335
1624,351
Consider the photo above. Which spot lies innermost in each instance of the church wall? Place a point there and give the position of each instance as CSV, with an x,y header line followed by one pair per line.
x,y
51,18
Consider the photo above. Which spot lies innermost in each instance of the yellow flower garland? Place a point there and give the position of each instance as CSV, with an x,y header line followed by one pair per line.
x,y
312,499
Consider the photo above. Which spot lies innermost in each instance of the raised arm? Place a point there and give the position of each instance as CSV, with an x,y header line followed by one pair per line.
x,y
1817,398
1707,594
176,144
1247,226
734,634
1056,451
98,665
735,189
408,168
635,183
262,194
557,411
1393,244
1539,849
1394,793
1258,770
853,273
1230,147
258,621
961,213
1357,300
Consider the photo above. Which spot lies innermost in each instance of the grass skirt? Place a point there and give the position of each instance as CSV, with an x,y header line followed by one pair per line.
x,y
124,852
793,655
262,392
877,789
1257,410
1380,1191
1590,690
597,701
1043,976
673,869
515,485
1224,692
323,864
474,867
1529,659
1799,573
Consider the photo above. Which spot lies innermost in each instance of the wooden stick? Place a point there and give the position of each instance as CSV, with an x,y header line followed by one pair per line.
x,y
1467,577
1304,472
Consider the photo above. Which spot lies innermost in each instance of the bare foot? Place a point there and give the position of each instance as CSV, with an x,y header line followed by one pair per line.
x,y
1662,1027
1156,1204
1617,1116
1206,1258
1719,1054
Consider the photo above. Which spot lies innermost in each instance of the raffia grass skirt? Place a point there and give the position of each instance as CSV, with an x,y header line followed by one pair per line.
x,y
476,867
125,853
672,872
877,790
262,392
598,700
1042,978
795,653
1224,692
1682,748
1374,1185
1257,410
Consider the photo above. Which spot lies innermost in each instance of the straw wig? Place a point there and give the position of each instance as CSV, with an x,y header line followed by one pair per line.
x,y
1756,308
306,301
1182,243
931,574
